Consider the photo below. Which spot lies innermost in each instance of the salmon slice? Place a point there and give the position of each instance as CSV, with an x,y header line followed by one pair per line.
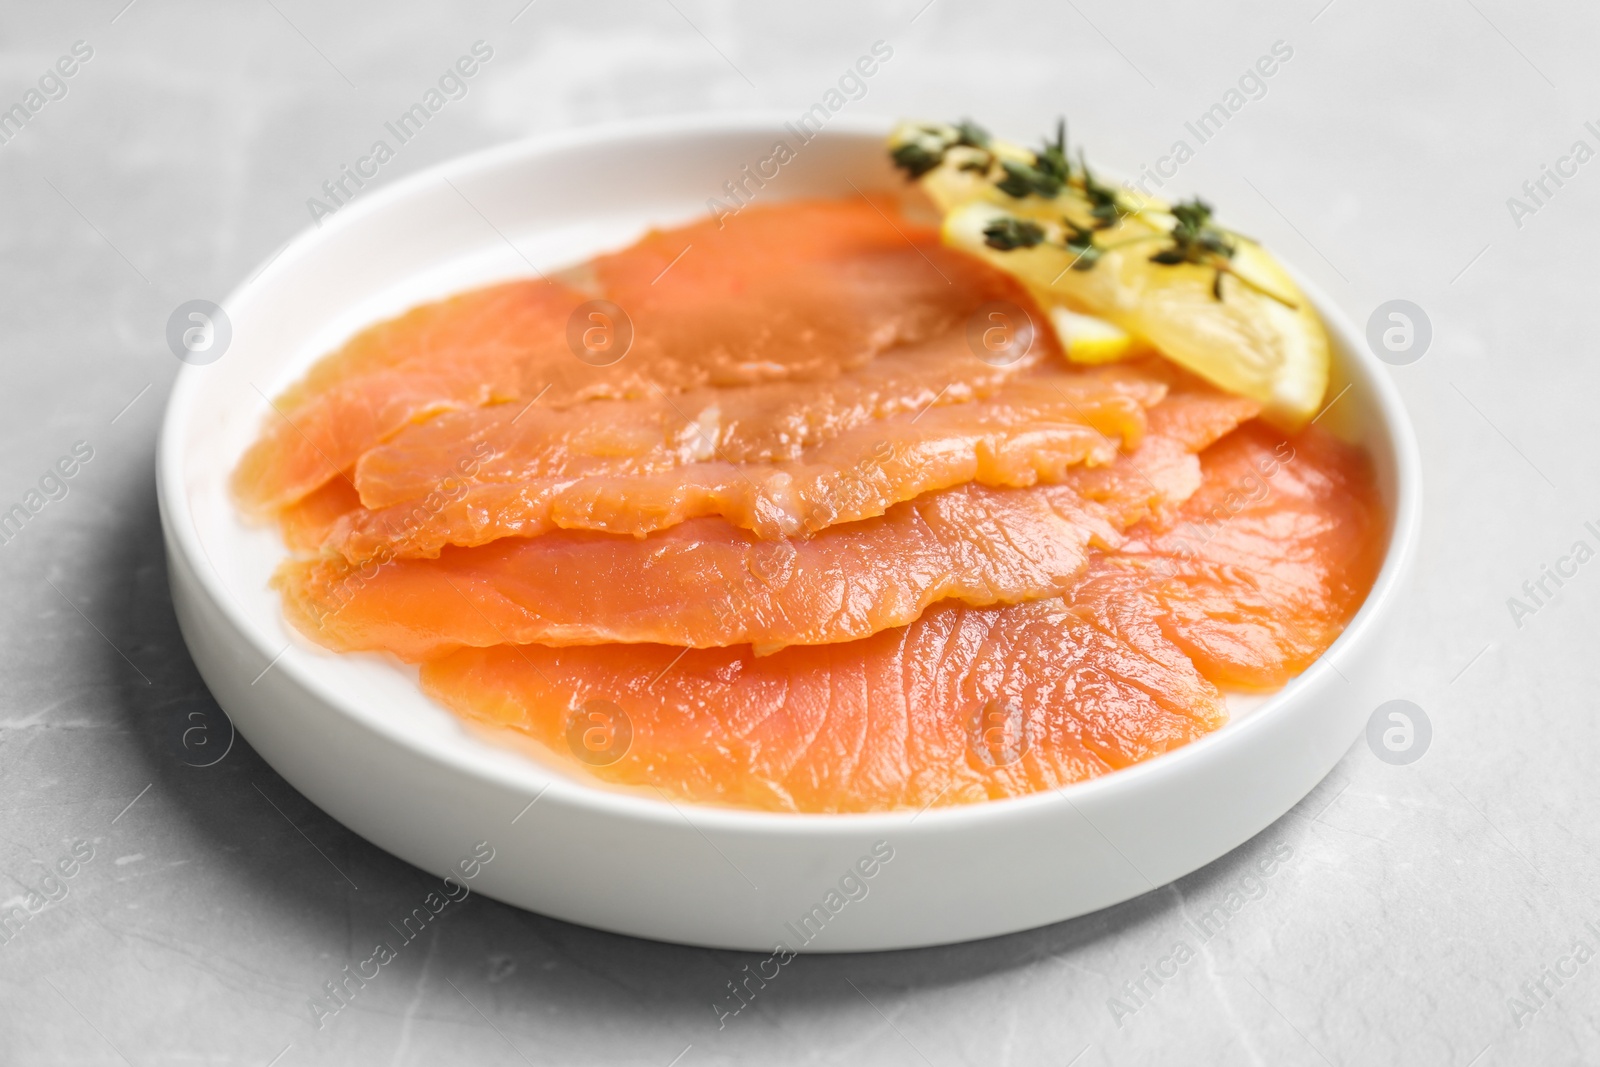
x,y
904,719
816,288
1122,668
853,447
493,344
764,423
1262,568
1163,471
306,523
706,583
1032,430
800,290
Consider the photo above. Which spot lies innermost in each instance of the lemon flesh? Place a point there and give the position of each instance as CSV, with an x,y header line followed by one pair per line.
x,y
1271,348
1087,339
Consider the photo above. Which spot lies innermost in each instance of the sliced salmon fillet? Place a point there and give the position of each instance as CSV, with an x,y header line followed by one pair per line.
x,y
763,423
306,523
1261,569
883,723
493,344
705,582
1032,430
817,554
805,290
1121,668
1164,471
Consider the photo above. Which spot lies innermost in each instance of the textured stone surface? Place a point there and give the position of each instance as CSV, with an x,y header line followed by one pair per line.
x,y
1415,900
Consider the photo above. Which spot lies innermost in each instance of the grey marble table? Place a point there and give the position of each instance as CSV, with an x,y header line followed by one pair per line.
x,y
1440,912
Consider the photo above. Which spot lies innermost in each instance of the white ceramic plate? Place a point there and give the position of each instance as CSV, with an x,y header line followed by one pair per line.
x,y
354,734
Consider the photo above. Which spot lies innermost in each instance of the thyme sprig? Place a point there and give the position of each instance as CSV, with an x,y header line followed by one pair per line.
x,y
1008,232
1194,238
928,144
1049,173
1105,203
1080,241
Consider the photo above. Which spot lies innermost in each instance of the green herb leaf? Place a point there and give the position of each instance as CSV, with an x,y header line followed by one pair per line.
x,y
927,148
1195,235
1020,179
1105,202
916,158
972,135
1007,233
1195,240
1081,242
1048,174
1052,160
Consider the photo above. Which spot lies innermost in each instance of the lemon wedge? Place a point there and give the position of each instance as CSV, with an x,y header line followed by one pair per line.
x,y
1086,339
1246,327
